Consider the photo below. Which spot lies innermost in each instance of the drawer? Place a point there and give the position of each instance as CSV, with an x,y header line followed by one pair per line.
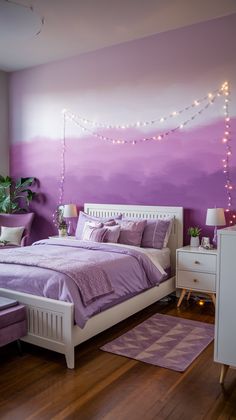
x,y
196,281
194,261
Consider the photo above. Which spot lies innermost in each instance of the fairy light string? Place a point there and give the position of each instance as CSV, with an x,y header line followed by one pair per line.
x,y
202,104
157,137
62,172
195,103
226,140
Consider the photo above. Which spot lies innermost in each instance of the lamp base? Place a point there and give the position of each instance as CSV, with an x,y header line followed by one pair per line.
x,y
69,229
214,240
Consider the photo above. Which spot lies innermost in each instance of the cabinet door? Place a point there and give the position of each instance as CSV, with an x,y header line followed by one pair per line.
x,y
225,345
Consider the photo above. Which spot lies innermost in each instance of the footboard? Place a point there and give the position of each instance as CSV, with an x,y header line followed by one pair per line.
x,y
50,323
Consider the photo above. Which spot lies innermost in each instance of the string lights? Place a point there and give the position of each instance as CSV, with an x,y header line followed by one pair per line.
x,y
157,137
226,140
201,105
87,122
62,174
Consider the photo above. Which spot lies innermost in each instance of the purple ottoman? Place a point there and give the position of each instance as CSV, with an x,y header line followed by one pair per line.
x,y
13,322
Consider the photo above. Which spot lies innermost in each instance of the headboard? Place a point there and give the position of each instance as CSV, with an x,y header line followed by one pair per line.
x,y
145,212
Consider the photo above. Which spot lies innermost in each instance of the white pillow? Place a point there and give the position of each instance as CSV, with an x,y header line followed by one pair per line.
x,y
168,233
12,235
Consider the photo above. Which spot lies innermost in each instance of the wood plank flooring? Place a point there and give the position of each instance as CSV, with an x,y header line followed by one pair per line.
x,y
37,385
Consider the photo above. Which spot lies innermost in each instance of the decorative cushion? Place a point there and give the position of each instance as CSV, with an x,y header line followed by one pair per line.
x,y
12,235
84,217
155,234
93,231
131,232
112,233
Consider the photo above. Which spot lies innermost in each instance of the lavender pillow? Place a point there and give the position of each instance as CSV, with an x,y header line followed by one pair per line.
x,y
84,217
94,232
131,232
155,232
112,233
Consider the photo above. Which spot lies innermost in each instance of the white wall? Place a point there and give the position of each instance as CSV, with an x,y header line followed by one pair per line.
x,y
4,144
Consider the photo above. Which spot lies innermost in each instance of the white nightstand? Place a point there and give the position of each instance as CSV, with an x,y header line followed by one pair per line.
x,y
196,271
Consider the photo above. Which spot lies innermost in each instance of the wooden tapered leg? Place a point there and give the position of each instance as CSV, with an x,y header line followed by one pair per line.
x,y
213,297
223,372
189,294
181,297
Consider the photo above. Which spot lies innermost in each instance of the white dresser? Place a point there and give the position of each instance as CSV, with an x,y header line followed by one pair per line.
x,y
225,326
196,271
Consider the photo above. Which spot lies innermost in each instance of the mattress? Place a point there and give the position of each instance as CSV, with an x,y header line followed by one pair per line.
x,y
157,256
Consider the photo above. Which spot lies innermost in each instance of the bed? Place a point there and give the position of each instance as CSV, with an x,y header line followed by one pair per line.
x,y
51,322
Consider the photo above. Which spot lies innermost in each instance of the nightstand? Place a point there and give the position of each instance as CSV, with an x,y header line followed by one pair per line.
x,y
196,271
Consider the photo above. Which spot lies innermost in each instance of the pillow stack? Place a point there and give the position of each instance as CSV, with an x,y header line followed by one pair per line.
x,y
101,229
150,233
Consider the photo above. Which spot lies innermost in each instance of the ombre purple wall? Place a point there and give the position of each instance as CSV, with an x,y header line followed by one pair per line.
x,y
136,81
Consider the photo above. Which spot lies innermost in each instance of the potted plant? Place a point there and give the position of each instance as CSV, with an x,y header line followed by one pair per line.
x,y
194,233
15,195
60,222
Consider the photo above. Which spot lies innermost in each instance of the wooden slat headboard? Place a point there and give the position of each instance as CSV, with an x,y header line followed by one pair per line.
x,y
145,212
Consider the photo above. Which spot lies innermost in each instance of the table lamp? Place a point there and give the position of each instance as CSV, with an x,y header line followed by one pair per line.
x,y
215,217
69,211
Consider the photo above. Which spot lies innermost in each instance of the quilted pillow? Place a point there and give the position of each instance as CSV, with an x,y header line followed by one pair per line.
x,y
84,217
93,232
131,232
12,235
156,233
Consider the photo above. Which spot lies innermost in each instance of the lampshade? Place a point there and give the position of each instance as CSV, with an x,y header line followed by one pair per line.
x,y
69,210
215,217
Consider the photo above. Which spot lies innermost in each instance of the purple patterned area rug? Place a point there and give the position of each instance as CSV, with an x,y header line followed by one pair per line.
x,y
165,341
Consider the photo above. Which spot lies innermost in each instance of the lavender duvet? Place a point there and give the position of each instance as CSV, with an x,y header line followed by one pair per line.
x,y
93,276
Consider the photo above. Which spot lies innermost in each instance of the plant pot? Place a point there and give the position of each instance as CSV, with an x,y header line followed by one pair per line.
x,y
194,241
62,232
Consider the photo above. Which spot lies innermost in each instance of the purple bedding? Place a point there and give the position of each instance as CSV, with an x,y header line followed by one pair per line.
x,y
60,270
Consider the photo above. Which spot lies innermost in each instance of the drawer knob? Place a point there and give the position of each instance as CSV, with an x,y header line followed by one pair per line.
x,y
195,280
196,262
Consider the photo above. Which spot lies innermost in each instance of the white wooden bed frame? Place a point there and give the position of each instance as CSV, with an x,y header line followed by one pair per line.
x,y
51,322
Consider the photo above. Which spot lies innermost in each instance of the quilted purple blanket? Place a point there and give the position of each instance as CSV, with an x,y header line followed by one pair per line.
x,y
93,276
91,279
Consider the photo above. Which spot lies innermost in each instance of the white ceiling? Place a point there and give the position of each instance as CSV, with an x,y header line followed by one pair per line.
x,y
74,27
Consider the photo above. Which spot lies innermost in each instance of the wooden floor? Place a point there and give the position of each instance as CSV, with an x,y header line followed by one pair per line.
x,y
37,385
